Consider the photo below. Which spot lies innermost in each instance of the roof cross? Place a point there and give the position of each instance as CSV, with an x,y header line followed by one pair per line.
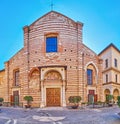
x,y
52,5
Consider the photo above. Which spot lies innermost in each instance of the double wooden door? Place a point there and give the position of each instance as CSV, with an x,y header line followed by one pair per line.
x,y
92,97
15,98
53,96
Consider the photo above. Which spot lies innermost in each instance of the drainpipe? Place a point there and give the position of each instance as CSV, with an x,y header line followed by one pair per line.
x,y
83,73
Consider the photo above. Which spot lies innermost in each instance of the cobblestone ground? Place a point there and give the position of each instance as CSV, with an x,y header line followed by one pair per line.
x,y
59,115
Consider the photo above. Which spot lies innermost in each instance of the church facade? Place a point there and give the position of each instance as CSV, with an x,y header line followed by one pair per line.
x,y
55,64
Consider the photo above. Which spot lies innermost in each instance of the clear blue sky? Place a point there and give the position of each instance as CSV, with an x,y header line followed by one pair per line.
x,y
101,20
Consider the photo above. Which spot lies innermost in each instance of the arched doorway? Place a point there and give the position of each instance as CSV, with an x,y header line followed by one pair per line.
x,y
53,85
52,82
115,94
106,92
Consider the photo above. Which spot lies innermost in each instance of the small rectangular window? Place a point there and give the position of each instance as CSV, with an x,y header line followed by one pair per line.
x,y
16,78
51,44
89,76
115,62
116,78
106,63
106,78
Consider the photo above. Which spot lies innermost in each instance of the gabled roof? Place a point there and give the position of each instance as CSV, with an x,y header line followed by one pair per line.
x,y
2,70
55,13
110,45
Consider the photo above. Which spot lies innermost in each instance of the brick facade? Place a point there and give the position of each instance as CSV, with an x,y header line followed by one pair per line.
x,y
65,70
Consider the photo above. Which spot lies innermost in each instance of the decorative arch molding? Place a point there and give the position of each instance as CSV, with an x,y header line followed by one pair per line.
x,y
107,91
95,70
116,90
34,79
59,70
33,70
49,78
91,63
115,94
52,75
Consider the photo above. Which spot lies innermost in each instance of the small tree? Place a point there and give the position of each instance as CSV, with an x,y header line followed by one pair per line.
x,y
74,100
28,99
1,100
109,98
118,102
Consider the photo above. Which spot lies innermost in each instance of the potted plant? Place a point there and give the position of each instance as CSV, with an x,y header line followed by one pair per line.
x,y
74,101
28,99
109,99
1,101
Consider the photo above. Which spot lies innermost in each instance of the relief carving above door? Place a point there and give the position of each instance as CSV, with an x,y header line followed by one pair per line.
x,y
53,75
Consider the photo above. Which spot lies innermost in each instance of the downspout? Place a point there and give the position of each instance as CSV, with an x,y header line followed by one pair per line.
x,y
8,81
83,73
79,41
28,67
78,63
26,46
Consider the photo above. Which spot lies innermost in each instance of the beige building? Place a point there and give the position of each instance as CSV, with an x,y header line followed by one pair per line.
x,y
55,64
111,70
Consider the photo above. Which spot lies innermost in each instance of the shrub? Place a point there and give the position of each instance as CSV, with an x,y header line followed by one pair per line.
x,y
1,99
109,98
74,99
28,99
118,102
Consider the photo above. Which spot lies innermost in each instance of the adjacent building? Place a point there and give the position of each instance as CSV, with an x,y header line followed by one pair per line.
x,y
55,64
111,70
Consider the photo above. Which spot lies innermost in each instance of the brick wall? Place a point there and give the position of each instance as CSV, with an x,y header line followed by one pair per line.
x,y
72,53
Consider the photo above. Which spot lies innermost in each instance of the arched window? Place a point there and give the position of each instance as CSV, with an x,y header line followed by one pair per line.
x,y
89,76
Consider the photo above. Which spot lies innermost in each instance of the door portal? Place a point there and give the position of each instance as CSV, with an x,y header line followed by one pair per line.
x,y
53,96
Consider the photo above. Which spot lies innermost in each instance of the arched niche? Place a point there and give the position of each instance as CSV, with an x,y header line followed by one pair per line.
x,y
115,94
34,78
52,75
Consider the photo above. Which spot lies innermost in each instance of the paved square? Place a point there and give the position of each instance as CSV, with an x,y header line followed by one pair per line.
x,y
59,115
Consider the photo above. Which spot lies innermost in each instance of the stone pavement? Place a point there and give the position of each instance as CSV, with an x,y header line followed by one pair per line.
x,y
59,115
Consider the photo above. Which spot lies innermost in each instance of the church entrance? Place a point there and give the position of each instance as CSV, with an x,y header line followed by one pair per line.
x,y
53,96
15,98
92,97
53,86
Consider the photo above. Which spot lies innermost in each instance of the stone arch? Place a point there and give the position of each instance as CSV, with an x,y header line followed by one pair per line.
x,y
91,63
61,72
33,70
106,92
34,78
52,75
53,86
94,69
115,94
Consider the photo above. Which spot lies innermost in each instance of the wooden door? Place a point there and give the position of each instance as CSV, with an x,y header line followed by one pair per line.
x,y
92,97
53,96
16,97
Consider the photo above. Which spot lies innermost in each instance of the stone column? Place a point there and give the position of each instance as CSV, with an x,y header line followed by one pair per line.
x,y
42,95
63,94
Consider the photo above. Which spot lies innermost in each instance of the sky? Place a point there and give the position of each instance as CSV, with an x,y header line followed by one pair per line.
x,y
101,20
